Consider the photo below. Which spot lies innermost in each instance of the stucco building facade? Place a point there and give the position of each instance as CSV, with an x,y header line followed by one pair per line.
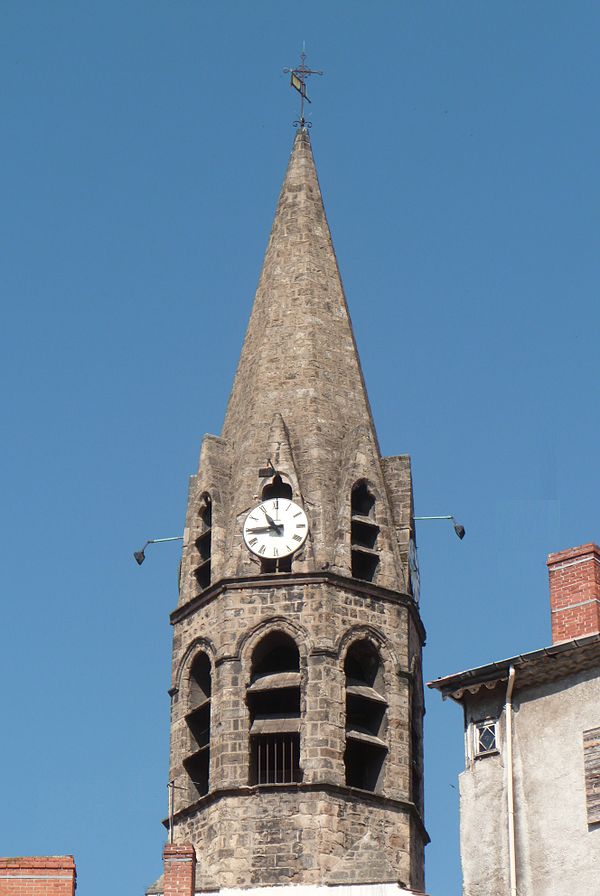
x,y
530,792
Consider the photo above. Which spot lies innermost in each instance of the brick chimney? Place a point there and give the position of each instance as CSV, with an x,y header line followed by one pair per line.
x,y
575,592
180,869
38,876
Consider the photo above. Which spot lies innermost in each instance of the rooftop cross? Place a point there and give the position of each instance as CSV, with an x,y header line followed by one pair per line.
x,y
298,82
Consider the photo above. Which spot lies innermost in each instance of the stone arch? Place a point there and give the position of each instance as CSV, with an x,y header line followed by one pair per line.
x,y
274,668
379,641
250,639
198,645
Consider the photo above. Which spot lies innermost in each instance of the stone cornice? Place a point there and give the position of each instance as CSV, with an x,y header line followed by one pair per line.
x,y
360,796
290,579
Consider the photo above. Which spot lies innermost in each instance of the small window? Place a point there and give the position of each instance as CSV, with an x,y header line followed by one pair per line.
x,y
485,733
274,704
363,533
204,543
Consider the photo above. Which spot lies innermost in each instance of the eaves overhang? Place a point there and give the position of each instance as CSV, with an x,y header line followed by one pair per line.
x,y
537,667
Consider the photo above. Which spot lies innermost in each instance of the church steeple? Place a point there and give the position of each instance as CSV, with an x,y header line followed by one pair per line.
x,y
299,364
296,730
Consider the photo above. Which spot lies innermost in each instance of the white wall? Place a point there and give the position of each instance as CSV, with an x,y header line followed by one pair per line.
x,y
558,854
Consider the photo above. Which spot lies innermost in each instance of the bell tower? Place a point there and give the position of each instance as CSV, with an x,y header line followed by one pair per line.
x,y
297,700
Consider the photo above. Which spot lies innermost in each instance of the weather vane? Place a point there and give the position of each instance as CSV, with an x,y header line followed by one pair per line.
x,y
298,82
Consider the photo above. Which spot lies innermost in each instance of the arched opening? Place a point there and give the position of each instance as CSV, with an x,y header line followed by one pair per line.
x,y
274,703
366,710
277,488
197,762
204,543
363,533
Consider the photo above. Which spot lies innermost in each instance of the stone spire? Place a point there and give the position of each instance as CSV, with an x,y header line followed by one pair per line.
x,y
299,358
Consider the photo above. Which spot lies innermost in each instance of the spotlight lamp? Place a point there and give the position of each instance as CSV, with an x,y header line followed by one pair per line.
x,y
140,556
458,528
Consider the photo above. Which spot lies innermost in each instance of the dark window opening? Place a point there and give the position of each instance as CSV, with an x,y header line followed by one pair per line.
x,y
197,763
366,710
364,765
363,533
364,566
363,715
204,544
282,564
363,502
274,704
416,734
416,768
363,666
277,488
275,759
275,653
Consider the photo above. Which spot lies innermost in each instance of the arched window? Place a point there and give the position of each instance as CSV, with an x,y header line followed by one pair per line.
x,y
274,704
204,543
197,762
365,717
276,488
363,531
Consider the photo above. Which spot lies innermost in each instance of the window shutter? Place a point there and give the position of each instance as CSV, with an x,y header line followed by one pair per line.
x,y
591,762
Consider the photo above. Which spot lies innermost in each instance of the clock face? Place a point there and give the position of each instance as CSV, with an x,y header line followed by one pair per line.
x,y
276,528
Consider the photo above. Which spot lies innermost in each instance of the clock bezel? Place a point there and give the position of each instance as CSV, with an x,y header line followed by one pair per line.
x,y
270,548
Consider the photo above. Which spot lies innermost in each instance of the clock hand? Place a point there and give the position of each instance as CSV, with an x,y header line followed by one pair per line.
x,y
272,523
260,529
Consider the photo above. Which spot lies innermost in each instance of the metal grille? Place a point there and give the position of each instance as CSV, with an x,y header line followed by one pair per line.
x,y
276,759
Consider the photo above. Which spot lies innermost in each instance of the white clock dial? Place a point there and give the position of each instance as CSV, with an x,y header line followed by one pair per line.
x,y
276,528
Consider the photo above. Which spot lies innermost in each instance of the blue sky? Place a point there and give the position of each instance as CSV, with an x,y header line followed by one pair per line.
x,y
144,146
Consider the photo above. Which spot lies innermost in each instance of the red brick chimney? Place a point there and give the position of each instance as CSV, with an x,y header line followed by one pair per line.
x,y
38,876
575,592
180,869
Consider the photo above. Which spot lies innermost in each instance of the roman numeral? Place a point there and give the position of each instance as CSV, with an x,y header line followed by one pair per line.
x,y
276,504
275,552
297,538
300,525
297,514
253,541
262,549
288,549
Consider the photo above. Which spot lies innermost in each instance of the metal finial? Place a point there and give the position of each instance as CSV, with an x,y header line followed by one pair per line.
x,y
298,82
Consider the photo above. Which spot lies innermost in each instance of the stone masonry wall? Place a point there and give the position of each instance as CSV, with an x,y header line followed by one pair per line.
x,y
324,618
291,836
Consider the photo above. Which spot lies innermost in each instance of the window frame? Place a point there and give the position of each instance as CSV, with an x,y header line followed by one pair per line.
x,y
477,726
